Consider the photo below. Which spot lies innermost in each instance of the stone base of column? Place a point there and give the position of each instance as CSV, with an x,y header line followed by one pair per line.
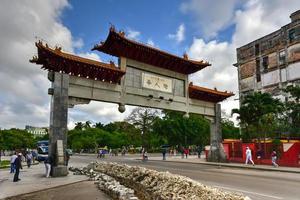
x,y
60,170
217,154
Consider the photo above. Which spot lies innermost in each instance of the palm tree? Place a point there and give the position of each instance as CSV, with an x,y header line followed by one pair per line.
x,y
79,125
99,125
87,124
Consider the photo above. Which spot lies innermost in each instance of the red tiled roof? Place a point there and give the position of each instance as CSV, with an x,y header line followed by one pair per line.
x,y
56,60
206,94
117,44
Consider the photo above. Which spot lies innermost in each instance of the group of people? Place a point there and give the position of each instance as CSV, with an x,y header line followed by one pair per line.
x,y
184,151
259,156
17,158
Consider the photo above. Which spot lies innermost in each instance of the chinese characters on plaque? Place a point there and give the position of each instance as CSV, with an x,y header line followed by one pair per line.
x,y
155,82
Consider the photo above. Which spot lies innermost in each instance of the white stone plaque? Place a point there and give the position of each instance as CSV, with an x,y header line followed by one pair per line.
x,y
60,149
156,82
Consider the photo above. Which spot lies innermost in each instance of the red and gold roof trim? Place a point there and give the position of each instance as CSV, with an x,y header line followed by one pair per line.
x,y
206,94
56,60
118,45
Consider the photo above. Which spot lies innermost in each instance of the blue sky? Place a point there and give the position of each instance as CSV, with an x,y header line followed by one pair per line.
x,y
155,20
205,29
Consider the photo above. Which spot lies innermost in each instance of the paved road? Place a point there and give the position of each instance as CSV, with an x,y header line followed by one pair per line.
x,y
260,185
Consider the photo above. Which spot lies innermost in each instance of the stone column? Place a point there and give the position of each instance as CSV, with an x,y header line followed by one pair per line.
x,y
216,153
58,122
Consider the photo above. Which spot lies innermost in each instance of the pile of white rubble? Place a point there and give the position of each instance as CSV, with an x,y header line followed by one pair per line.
x,y
129,182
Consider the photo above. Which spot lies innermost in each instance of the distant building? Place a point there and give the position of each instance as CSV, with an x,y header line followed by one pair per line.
x,y
36,131
272,62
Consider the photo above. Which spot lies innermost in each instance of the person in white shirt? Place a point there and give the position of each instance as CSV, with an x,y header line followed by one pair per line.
x,y
12,162
248,156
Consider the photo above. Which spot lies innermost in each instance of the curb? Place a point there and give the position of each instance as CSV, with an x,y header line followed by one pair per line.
x,y
27,193
229,166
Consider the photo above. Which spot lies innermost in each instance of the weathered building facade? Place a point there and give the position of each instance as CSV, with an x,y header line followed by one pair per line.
x,y
272,62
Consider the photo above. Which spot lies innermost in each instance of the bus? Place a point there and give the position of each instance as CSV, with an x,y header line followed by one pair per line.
x,y
42,150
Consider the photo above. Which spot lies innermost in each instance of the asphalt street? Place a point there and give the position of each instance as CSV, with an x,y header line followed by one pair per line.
x,y
260,185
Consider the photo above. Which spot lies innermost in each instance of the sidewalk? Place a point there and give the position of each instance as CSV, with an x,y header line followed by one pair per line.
x,y
32,179
195,160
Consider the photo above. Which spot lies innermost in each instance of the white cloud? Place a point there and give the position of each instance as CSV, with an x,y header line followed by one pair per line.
x,y
180,34
210,16
133,34
259,18
90,55
78,43
150,42
221,74
98,112
24,99
254,20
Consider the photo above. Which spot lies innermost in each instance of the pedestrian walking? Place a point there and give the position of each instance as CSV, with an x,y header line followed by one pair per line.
x,y
259,155
34,156
199,151
186,152
12,162
48,163
67,157
181,149
18,166
144,155
164,151
29,159
274,158
248,156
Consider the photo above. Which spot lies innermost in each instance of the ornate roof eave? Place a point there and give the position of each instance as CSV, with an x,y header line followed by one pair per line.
x,y
59,61
206,94
116,44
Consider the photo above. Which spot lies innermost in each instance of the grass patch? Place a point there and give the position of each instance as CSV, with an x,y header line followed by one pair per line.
x,y
4,163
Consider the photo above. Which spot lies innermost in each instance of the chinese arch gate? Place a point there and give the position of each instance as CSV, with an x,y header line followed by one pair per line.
x,y
145,76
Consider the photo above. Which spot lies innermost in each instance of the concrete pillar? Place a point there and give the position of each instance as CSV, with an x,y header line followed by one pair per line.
x,y
58,122
216,153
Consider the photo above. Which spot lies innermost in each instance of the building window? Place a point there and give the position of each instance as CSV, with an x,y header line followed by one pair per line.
x,y
294,34
257,49
281,56
265,62
258,77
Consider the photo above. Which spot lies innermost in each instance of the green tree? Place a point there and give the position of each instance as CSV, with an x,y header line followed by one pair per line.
x,y
229,131
174,129
16,139
87,124
291,115
130,134
79,125
99,125
143,119
255,113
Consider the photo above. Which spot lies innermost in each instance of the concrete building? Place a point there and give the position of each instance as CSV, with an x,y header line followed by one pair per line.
x,y
272,62
36,131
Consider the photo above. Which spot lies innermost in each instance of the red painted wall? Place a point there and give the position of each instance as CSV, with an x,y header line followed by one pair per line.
x,y
290,157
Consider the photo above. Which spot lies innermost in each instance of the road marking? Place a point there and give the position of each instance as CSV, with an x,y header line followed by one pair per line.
x,y
245,191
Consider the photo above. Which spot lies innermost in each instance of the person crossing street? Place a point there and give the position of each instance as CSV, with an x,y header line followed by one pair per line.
x,y
248,156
